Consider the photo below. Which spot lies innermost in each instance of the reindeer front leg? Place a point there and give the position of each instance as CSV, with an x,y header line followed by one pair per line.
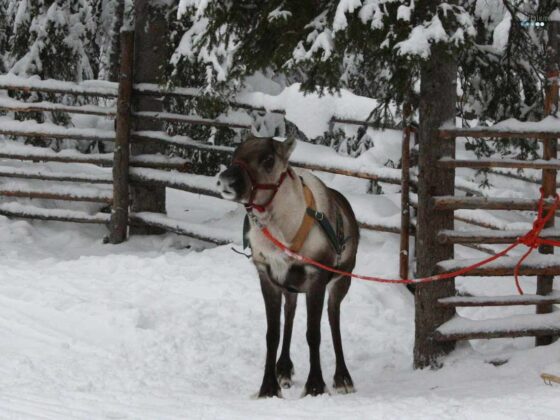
x,y
315,298
273,302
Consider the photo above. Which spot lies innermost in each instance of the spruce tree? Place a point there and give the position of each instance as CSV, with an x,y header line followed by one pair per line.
x,y
375,48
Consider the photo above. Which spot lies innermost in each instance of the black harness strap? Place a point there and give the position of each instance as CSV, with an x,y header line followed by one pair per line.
x,y
334,236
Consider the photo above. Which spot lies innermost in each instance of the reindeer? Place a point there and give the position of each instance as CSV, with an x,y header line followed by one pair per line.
x,y
313,220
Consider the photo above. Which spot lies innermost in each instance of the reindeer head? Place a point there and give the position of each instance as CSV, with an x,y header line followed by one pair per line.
x,y
258,168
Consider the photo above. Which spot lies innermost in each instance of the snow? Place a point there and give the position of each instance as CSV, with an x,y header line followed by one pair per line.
x,y
91,87
84,192
554,16
201,182
154,329
511,299
11,104
403,12
237,119
190,229
550,123
534,260
344,6
513,234
14,148
7,125
501,33
63,213
421,37
460,325
168,327
312,112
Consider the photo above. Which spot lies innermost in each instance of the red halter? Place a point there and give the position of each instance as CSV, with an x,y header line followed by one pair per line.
x,y
255,186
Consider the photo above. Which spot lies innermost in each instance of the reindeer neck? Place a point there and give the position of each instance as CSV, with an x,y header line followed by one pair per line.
x,y
285,213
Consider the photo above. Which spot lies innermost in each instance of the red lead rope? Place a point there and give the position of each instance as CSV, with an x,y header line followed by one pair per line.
x,y
531,240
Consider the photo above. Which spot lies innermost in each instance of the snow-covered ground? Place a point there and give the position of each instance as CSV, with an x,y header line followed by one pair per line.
x,y
166,328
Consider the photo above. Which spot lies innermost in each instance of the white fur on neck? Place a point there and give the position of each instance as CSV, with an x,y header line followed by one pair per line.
x,y
283,218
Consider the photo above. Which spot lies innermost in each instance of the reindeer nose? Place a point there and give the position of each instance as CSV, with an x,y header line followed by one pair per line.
x,y
231,183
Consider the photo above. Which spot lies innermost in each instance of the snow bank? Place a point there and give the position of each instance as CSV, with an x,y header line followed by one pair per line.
x,y
311,112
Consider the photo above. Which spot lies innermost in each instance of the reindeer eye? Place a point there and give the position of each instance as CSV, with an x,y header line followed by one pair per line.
x,y
268,162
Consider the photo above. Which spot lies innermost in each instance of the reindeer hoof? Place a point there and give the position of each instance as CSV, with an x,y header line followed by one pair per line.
x,y
343,384
284,373
314,387
285,382
270,389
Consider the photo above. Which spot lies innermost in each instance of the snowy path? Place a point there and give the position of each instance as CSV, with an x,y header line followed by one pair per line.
x,y
152,329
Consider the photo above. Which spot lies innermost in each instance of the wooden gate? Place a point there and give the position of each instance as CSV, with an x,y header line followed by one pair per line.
x,y
447,326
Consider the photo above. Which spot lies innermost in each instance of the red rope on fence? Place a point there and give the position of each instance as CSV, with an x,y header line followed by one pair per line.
x,y
531,239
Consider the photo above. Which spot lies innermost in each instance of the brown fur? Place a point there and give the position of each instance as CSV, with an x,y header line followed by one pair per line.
x,y
282,276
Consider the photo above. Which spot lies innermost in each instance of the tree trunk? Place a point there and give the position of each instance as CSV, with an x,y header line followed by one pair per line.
x,y
121,200
149,55
545,283
114,56
437,106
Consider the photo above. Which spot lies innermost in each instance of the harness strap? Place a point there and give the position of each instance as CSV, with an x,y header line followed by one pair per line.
x,y
310,216
332,236
306,223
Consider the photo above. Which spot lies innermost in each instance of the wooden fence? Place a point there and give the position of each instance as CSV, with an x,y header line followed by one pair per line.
x,y
441,324
144,169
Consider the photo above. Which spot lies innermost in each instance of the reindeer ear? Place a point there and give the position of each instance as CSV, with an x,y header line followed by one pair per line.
x,y
288,147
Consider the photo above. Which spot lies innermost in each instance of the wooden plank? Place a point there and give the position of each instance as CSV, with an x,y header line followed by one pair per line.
x,y
87,88
532,266
188,119
341,171
118,227
187,143
159,162
14,105
459,328
552,164
498,133
55,194
183,183
51,131
34,173
31,212
451,202
475,222
513,300
201,232
529,332
485,236
105,159
142,161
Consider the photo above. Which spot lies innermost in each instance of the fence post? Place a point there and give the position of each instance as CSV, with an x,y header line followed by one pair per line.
x,y
121,200
150,55
546,283
438,90
405,204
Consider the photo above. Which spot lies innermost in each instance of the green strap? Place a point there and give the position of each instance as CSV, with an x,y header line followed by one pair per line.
x,y
246,229
328,229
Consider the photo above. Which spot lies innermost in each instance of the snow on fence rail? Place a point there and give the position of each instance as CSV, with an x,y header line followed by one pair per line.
x,y
254,101
147,169
32,212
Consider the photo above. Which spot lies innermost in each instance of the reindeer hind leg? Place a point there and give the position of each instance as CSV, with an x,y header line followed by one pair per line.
x,y
342,380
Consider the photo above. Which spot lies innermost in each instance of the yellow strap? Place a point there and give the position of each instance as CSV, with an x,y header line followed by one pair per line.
x,y
306,223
